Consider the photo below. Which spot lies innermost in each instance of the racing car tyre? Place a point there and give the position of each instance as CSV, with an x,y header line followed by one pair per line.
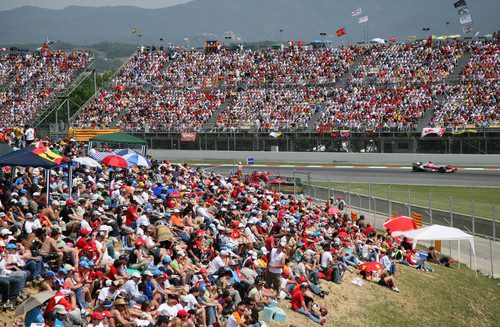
x,y
442,170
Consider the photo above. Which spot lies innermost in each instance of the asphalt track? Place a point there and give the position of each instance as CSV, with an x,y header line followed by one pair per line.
x,y
383,175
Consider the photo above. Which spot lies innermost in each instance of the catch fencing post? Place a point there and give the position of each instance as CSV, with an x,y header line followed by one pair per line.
x,y
493,219
389,196
370,200
473,219
349,191
491,258
430,208
374,211
451,219
329,187
409,203
294,184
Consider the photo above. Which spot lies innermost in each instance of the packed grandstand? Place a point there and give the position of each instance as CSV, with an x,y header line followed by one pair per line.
x,y
165,244
381,87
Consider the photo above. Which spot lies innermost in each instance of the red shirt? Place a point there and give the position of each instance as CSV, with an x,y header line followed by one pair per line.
x,y
130,218
59,298
297,299
269,243
112,272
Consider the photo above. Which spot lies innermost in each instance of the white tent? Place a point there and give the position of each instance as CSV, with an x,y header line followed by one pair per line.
x,y
439,232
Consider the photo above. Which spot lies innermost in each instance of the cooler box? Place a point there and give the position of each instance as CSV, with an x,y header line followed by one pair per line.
x,y
279,315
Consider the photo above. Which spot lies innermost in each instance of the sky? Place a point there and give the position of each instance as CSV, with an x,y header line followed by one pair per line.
x,y
59,4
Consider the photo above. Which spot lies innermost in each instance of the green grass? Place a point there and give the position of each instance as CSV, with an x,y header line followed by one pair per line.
x,y
462,196
445,297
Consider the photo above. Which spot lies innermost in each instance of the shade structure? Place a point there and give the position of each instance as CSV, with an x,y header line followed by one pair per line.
x,y
115,161
441,233
333,210
401,223
370,266
31,157
378,40
119,137
136,160
87,161
34,301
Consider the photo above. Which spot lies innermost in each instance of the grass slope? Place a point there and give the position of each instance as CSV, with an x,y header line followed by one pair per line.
x,y
445,297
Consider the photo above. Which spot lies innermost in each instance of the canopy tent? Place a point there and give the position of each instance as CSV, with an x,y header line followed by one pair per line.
x,y
119,138
32,157
443,233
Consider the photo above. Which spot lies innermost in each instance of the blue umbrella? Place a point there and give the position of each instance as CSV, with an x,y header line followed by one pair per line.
x,y
136,160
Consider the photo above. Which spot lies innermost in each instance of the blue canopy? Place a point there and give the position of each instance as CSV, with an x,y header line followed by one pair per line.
x,y
25,158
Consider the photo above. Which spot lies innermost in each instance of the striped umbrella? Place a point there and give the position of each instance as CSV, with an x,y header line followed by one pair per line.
x,y
136,160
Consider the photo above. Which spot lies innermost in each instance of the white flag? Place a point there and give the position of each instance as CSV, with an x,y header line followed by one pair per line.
x,y
363,19
438,131
465,19
357,12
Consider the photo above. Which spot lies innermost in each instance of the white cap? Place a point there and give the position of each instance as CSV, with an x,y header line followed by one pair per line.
x,y
136,275
5,231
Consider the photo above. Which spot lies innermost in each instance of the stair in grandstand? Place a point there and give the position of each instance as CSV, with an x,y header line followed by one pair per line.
x,y
210,124
454,77
341,84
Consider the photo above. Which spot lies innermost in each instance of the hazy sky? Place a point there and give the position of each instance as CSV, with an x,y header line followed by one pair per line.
x,y
59,4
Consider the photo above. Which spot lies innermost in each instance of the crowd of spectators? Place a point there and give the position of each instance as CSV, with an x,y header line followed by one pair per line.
x,y
272,109
394,108
31,80
173,245
422,62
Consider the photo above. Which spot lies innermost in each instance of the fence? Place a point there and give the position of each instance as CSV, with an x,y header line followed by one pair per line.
x,y
376,209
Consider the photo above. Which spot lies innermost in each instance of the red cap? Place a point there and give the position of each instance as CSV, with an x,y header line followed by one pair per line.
x,y
96,315
302,280
182,313
85,232
69,201
140,241
203,270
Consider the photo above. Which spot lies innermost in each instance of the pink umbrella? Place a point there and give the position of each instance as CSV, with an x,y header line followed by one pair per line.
x,y
333,210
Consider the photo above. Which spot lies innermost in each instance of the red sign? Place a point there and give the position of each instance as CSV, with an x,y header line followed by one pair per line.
x,y
188,136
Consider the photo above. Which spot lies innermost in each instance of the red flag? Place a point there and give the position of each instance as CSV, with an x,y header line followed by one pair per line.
x,y
341,32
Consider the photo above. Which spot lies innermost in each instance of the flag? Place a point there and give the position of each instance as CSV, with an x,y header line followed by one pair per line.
x,y
354,216
412,37
345,133
436,130
188,136
471,130
49,155
459,3
134,30
417,219
341,32
275,134
363,19
463,11
357,12
465,19
335,134
467,29
457,132
370,131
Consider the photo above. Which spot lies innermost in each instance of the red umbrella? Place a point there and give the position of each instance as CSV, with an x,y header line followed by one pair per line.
x,y
400,224
370,266
343,235
278,180
333,210
115,161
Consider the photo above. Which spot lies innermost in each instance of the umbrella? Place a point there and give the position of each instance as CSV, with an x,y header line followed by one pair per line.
x,y
488,36
136,160
392,39
333,210
343,235
378,40
370,266
115,161
400,224
278,180
87,161
34,301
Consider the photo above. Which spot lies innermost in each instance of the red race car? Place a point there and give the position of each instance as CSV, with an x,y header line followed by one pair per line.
x,y
429,167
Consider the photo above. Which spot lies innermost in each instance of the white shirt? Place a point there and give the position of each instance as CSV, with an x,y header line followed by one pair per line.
x,y
132,288
385,261
215,264
275,259
30,134
165,310
192,302
326,258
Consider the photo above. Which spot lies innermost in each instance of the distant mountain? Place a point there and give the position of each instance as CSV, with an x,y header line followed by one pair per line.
x,y
248,20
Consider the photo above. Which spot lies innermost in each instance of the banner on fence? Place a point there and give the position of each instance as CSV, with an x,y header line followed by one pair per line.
x,y
417,219
188,136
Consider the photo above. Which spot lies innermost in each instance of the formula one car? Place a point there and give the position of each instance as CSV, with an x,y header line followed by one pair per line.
x,y
429,167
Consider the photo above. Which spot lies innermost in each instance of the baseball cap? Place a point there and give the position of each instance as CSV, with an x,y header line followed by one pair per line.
x,y
59,308
136,275
182,313
96,315
69,201
5,231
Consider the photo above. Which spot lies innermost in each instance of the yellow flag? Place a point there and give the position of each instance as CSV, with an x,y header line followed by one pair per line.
x,y
134,31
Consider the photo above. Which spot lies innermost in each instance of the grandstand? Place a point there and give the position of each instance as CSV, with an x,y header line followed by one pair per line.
x,y
362,90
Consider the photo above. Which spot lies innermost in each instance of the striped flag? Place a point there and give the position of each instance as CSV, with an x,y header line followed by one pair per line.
x,y
354,216
363,19
465,19
345,133
357,12
417,219
275,134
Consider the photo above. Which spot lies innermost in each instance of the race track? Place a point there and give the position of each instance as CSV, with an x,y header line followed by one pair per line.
x,y
482,178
